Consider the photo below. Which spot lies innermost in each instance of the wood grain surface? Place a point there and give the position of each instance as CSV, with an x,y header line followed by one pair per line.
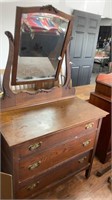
x,y
24,124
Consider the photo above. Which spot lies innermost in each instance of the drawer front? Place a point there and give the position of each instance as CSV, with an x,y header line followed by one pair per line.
x,y
38,163
45,142
59,172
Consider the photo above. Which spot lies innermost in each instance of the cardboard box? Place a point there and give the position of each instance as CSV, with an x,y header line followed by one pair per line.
x,y
6,189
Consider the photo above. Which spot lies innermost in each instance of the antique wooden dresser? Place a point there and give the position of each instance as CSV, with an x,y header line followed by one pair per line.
x,y
44,144
47,134
102,97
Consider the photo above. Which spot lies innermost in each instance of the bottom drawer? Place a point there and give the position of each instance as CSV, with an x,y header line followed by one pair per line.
x,y
72,166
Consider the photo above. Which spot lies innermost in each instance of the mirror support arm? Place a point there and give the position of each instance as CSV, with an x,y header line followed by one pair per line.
x,y
6,78
68,68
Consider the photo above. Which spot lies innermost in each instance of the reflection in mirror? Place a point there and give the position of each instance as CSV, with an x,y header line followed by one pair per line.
x,y
41,40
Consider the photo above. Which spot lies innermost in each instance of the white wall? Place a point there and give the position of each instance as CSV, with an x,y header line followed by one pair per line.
x,y
8,10
95,6
107,11
7,19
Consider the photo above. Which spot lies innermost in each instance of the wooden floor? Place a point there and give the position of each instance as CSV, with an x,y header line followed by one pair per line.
x,y
83,91
80,188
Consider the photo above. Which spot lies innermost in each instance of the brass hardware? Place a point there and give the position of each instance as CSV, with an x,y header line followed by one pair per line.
x,y
31,187
90,125
34,146
82,160
86,143
34,165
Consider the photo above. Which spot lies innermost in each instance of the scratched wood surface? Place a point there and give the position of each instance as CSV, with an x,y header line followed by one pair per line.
x,y
29,123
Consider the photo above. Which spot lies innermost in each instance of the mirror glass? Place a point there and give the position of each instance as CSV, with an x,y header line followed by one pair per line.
x,y
41,41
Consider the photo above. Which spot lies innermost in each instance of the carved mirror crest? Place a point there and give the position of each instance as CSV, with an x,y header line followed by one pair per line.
x,y
41,38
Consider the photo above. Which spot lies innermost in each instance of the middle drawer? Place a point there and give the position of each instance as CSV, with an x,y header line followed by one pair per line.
x,y
39,162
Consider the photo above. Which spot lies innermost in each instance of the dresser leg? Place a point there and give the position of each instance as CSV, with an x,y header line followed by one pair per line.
x,y
87,173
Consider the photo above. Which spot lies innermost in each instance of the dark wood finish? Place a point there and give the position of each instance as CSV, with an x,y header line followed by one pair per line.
x,y
103,171
7,157
104,85
6,77
39,157
102,98
54,155
45,144
77,187
49,141
54,175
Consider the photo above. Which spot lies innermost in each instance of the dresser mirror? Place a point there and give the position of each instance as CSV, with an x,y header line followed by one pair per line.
x,y
40,42
34,72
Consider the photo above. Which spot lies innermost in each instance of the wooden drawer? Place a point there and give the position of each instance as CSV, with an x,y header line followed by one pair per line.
x,y
54,175
38,163
45,142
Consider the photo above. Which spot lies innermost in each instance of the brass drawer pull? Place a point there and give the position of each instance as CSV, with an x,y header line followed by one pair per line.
x,y
34,146
90,125
34,185
34,165
82,160
86,143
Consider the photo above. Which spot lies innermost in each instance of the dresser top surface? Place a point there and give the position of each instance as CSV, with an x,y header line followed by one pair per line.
x,y
105,79
25,124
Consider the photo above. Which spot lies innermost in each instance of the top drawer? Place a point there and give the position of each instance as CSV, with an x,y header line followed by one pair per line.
x,y
43,143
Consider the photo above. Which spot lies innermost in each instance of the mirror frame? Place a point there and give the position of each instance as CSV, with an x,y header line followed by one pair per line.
x,y
44,9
